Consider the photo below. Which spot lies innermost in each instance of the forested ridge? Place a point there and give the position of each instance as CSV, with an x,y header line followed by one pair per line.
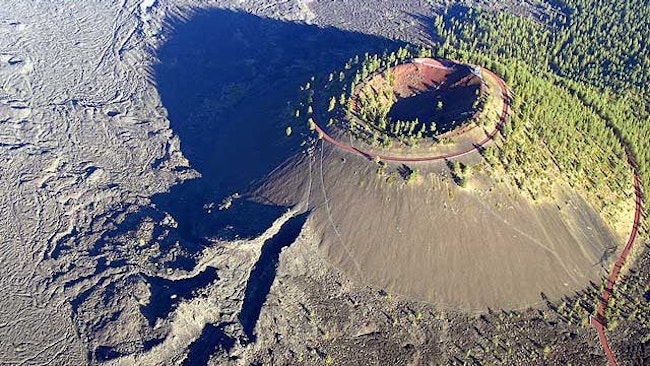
x,y
552,135
594,52
601,42
594,49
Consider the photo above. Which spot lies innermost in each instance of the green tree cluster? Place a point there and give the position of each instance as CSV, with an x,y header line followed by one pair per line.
x,y
593,50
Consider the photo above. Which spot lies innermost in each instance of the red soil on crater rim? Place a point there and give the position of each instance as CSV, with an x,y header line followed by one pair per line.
x,y
420,75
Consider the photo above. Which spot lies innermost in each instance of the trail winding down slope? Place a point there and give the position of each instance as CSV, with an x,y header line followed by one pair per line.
x,y
599,321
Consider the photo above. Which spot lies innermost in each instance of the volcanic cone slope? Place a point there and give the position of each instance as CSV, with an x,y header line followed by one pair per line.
x,y
483,246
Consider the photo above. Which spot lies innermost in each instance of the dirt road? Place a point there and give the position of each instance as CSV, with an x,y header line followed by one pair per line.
x,y
599,321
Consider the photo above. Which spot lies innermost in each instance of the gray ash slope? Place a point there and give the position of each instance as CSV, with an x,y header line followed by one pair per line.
x,y
97,228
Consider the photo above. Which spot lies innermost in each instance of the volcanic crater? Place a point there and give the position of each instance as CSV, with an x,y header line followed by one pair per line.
x,y
442,93
420,109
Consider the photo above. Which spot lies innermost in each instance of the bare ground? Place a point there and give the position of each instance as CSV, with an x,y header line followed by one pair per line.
x,y
483,246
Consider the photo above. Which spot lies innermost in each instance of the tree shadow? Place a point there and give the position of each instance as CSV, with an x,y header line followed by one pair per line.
x,y
228,80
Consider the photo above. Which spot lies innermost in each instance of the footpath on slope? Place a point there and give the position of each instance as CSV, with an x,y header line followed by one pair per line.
x,y
599,321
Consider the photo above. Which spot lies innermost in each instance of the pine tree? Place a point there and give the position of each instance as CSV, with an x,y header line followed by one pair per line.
x,y
332,104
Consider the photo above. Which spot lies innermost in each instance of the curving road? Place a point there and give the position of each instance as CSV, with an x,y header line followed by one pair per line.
x,y
370,155
599,321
